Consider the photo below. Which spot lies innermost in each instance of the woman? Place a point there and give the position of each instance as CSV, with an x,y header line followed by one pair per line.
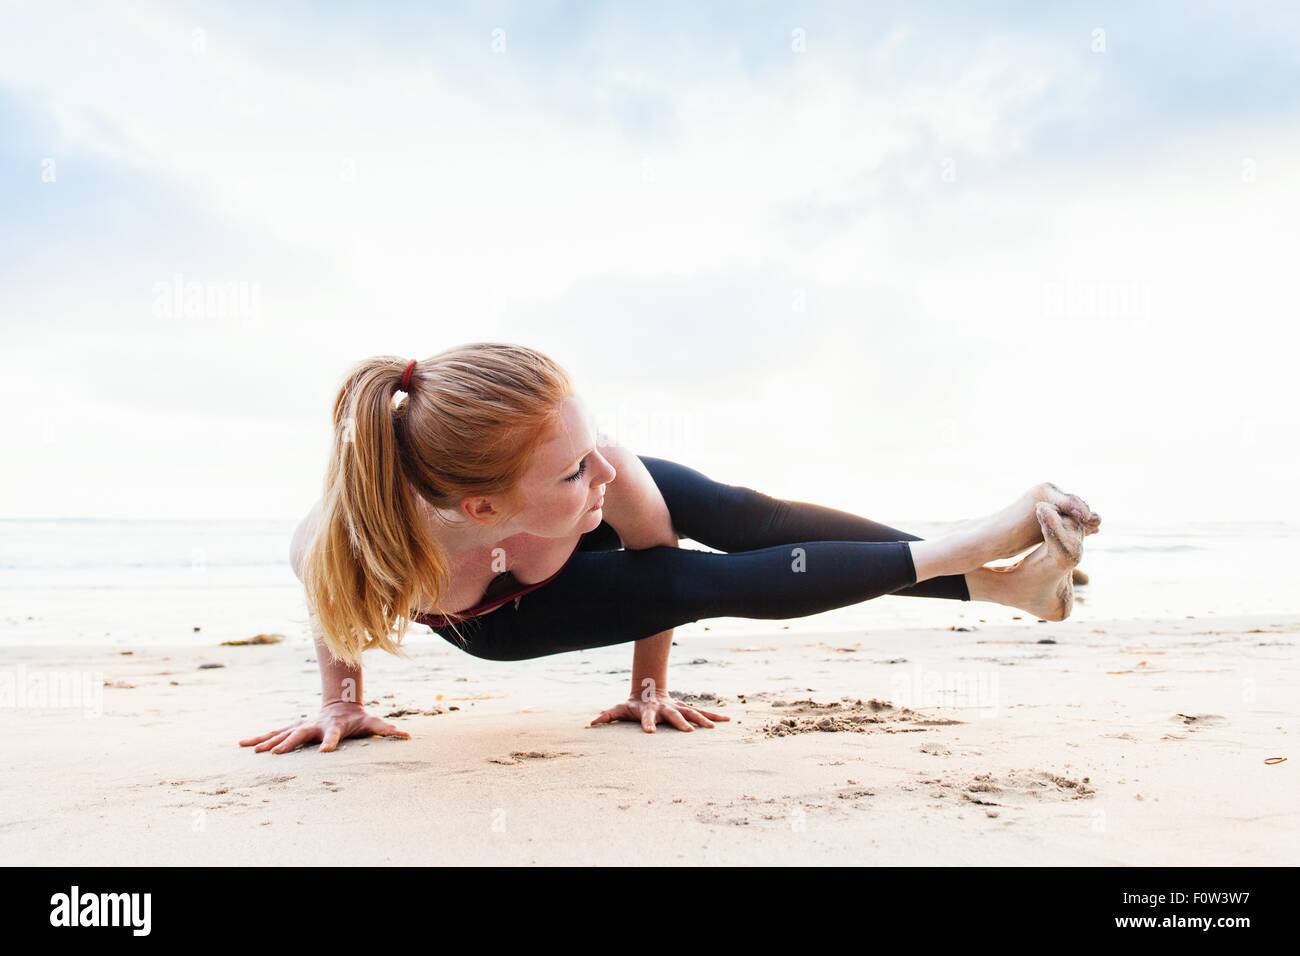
x,y
484,504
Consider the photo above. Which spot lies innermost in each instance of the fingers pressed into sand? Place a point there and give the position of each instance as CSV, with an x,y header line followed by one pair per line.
x,y
695,716
677,719
250,741
294,740
271,741
332,738
648,719
615,713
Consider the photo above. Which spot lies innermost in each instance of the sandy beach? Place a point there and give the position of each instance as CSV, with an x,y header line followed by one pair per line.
x,y
378,307
1140,741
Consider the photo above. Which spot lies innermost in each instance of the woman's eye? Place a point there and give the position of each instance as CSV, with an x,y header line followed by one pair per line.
x,y
582,467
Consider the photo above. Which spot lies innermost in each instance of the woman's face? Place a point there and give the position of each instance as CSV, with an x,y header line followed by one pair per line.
x,y
564,487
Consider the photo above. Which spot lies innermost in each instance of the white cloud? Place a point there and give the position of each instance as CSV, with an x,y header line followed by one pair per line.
x,y
403,210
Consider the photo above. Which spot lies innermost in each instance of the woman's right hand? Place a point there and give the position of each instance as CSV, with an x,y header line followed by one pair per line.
x,y
334,722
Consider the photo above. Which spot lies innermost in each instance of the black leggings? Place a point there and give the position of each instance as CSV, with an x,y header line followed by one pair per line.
x,y
784,559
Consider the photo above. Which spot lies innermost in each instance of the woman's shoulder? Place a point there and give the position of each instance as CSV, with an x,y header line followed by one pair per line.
x,y
515,564
531,558
302,536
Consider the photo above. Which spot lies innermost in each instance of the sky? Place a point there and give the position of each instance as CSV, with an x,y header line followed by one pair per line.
x,y
904,259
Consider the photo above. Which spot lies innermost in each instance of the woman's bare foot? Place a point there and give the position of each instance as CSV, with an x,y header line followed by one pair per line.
x,y
1042,582
1016,528
1003,534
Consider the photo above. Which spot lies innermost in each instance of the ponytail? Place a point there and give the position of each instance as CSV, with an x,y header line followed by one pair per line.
x,y
468,425
372,562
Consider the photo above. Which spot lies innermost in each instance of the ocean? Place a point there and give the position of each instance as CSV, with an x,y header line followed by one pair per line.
x,y
128,583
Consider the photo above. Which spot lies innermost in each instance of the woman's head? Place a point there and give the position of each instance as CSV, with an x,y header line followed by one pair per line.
x,y
560,490
476,434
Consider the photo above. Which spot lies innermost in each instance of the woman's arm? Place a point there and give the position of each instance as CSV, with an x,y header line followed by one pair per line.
x,y
342,712
633,505
635,509
339,681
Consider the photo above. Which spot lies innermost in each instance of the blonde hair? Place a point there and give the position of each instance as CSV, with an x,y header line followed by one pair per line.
x,y
469,424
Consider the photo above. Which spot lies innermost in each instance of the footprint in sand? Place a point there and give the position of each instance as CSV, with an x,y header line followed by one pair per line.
x,y
401,766
704,698
1014,788
237,792
847,715
174,783
786,812
1197,721
935,750
415,712
519,756
1193,723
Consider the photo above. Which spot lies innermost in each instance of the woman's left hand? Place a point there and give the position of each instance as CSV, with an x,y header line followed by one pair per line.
x,y
651,707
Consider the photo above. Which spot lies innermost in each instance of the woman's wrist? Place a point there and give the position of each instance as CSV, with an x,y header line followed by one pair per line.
x,y
650,661
328,702
648,688
339,681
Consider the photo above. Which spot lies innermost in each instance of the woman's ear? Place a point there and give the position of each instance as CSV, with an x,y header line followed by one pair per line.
x,y
478,509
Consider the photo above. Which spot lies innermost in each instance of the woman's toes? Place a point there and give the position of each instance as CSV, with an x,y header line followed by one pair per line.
x,y
1079,509
1061,533
1068,504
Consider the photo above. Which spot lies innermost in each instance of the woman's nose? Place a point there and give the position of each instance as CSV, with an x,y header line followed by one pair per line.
x,y
610,473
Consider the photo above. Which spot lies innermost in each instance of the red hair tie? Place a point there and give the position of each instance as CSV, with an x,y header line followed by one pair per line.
x,y
406,376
